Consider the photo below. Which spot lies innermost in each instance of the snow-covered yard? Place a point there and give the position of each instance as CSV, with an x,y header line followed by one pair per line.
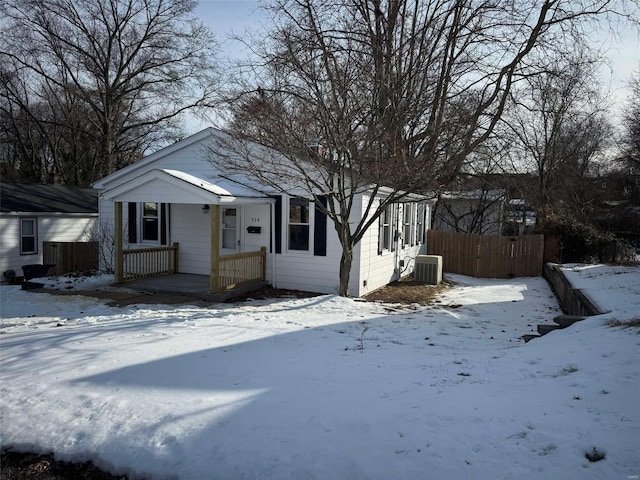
x,y
328,387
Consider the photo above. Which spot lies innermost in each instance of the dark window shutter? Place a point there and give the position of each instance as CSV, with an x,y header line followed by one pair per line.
x,y
132,224
277,223
320,230
380,234
163,223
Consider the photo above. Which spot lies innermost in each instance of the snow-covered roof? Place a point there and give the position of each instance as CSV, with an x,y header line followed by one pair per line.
x,y
474,195
174,186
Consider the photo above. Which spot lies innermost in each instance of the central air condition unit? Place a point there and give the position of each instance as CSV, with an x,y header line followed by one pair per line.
x,y
428,269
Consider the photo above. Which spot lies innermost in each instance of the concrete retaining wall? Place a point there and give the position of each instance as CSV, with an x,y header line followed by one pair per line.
x,y
573,300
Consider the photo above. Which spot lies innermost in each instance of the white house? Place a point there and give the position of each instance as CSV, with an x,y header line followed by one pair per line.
x,y
175,201
31,214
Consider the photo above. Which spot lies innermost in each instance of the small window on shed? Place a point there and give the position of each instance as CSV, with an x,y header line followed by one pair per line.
x,y
28,236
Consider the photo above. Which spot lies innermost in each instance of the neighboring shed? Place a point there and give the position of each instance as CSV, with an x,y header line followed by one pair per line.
x,y
32,213
471,211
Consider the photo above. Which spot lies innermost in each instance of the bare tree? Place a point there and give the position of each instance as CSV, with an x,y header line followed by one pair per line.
x,y
631,125
104,233
560,128
131,66
364,94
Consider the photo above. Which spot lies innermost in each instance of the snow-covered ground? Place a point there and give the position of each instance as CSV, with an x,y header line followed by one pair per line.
x,y
328,387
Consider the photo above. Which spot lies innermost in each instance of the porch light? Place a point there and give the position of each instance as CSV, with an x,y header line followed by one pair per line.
x,y
205,209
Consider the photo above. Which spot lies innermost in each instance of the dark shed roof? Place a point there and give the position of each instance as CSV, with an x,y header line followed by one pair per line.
x,y
23,197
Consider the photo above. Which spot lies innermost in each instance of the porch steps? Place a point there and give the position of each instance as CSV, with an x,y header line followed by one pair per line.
x,y
544,329
562,321
573,301
567,320
528,337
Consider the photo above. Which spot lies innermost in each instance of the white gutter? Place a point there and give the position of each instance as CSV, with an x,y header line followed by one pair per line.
x,y
48,214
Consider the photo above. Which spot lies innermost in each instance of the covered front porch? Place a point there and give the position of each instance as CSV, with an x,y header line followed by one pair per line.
x,y
191,285
216,252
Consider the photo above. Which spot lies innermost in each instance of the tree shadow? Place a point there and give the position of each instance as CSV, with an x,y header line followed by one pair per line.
x,y
348,399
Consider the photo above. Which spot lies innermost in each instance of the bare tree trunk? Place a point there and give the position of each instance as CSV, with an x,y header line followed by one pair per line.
x,y
345,270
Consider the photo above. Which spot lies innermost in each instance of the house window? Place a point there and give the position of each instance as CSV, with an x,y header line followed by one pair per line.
x,y
28,236
299,224
150,222
420,222
385,237
408,224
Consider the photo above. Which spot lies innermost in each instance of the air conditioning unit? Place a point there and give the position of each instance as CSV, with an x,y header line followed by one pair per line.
x,y
428,269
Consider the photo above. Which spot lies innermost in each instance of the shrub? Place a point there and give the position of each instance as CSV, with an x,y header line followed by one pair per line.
x,y
579,241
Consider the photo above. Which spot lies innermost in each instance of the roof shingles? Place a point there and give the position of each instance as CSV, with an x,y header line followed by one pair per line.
x,y
23,197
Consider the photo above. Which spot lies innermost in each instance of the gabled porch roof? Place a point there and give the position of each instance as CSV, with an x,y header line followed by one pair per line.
x,y
174,186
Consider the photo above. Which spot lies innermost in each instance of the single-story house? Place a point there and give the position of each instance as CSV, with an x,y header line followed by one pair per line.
x,y
32,213
186,216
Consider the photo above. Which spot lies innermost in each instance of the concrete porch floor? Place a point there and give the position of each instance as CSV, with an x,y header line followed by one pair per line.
x,y
188,285
165,290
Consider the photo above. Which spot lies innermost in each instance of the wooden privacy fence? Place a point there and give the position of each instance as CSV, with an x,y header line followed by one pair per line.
x,y
488,256
149,262
70,256
241,267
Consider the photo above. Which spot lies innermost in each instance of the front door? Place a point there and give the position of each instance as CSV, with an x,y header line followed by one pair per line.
x,y
230,231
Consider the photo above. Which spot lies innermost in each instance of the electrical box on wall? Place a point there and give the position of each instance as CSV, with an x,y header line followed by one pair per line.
x,y
254,229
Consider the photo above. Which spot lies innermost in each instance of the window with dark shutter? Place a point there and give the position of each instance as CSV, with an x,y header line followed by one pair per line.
x,y
150,222
298,224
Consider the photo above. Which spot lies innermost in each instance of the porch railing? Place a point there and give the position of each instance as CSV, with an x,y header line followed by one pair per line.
x,y
241,267
149,262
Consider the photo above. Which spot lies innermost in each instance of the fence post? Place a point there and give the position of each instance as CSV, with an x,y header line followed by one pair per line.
x,y
175,257
263,251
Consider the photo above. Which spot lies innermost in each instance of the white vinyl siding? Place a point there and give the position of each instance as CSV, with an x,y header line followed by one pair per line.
x,y
50,227
378,270
191,229
307,272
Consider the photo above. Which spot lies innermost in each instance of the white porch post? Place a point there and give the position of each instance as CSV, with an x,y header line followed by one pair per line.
x,y
118,267
214,277
272,228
